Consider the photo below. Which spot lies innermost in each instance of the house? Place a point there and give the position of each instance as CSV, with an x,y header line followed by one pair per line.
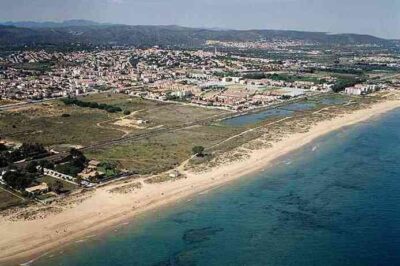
x,y
93,164
90,174
231,79
361,89
37,190
353,91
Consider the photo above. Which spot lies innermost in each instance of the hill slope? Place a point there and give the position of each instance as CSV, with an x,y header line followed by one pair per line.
x,y
103,34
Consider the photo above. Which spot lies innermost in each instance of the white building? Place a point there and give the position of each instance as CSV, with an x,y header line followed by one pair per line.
x,y
361,89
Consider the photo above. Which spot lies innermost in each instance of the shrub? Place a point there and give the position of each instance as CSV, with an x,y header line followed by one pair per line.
x,y
94,105
198,150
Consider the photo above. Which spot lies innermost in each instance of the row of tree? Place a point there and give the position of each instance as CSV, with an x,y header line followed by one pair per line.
x,y
342,84
26,151
18,179
102,106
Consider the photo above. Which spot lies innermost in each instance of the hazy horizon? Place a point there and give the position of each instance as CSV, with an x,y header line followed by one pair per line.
x,y
377,18
184,26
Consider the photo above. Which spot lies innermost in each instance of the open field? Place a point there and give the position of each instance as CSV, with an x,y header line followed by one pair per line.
x,y
121,100
44,123
143,149
51,180
7,199
163,151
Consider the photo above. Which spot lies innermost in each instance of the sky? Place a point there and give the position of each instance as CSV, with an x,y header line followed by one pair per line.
x,y
376,17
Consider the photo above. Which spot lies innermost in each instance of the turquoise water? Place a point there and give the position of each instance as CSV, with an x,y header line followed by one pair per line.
x,y
334,202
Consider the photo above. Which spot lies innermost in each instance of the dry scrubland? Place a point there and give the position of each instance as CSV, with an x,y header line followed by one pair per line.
x,y
168,137
8,200
44,123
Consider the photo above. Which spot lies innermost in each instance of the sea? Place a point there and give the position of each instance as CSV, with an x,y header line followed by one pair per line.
x,y
335,201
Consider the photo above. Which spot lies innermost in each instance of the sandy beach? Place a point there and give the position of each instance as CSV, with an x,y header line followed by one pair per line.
x,y
94,212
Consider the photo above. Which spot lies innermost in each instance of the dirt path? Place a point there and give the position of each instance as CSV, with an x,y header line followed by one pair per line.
x,y
248,131
124,131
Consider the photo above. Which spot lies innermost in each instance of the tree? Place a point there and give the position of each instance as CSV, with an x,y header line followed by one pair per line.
x,y
46,164
102,106
198,151
18,180
93,105
4,161
3,147
31,167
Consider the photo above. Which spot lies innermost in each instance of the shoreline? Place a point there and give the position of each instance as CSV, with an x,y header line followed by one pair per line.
x,y
23,240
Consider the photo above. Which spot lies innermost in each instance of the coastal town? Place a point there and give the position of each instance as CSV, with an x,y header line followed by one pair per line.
x,y
199,132
206,78
130,122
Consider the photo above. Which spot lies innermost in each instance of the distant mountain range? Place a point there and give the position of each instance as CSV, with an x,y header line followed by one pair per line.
x,y
89,32
50,24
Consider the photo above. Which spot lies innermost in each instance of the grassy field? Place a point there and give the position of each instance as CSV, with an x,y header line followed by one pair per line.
x,y
157,113
7,199
47,123
51,180
122,100
174,115
163,151
186,126
44,124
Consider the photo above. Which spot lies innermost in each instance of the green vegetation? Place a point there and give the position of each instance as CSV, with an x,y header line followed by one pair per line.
x,y
57,185
18,179
124,101
198,151
163,151
127,188
94,105
26,151
342,84
110,169
161,179
73,164
293,78
45,124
